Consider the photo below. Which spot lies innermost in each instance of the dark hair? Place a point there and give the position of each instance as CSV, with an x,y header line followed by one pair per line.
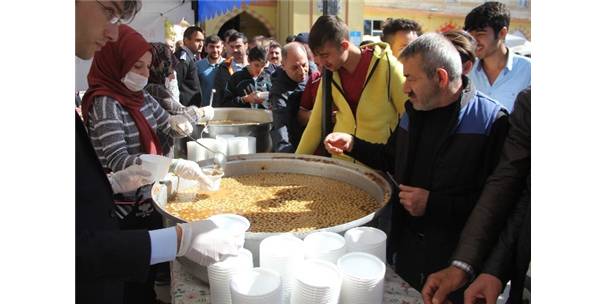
x,y
327,29
392,26
237,35
190,31
491,14
162,64
212,39
257,54
228,33
464,43
290,38
130,8
273,44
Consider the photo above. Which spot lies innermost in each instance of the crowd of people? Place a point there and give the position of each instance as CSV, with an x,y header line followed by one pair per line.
x,y
446,114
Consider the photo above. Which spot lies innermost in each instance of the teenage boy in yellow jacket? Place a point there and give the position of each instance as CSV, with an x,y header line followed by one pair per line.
x,y
366,89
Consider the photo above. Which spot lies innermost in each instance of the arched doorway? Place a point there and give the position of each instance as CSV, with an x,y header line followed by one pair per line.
x,y
247,24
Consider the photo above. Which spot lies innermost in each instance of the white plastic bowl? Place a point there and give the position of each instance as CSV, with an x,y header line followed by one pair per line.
x,y
156,164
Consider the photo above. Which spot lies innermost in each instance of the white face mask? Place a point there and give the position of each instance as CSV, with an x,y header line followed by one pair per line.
x,y
134,81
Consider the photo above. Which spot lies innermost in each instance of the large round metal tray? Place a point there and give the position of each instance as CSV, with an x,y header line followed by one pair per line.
x,y
357,175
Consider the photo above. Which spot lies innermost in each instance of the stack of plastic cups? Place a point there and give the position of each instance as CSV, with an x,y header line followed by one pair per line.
x,y
237,145
363,278
195,152
282,253
316,282
252,144
221,273
203,153
223,142
367,239
256,286
324,245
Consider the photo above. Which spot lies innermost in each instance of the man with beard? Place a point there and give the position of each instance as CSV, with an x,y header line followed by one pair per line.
x,y
499,73
446,145
187,74
207,67
288,83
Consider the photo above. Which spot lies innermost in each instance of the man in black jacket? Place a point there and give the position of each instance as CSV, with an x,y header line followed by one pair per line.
x,y
496,238
249,88
107,257
238,46
190,93
287,85
446,145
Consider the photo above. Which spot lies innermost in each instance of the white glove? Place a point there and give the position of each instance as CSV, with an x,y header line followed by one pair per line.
x,y
130,179
180,124
203,242
190,170
206,113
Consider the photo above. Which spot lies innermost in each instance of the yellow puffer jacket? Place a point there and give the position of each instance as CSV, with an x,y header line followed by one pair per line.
x,y
379,108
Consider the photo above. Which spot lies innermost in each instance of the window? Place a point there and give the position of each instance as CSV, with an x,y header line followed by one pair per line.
x,y
522,3
373,27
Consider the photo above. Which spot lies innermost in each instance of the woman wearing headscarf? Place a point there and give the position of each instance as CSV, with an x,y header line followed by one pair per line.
x,y
124,122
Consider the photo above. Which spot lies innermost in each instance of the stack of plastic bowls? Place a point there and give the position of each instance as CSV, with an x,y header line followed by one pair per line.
x,y
282,253
221,273
316,282
256,286
324,245
367,239
363,278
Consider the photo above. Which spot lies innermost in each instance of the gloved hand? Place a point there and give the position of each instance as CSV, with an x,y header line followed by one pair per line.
x,y
190,170
206,113
129,179
180,124
203,242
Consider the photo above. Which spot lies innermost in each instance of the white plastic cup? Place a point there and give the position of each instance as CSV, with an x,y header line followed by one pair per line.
x,y
363,278
252,144
316,282
367,239
256,286
215,180
324,245
282,253
237,145
236,224
221,273
156,164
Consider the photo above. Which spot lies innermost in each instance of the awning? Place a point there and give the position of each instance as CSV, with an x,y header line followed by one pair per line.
x,y
209,9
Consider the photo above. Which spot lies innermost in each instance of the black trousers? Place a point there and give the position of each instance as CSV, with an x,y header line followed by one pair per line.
x,y
143,292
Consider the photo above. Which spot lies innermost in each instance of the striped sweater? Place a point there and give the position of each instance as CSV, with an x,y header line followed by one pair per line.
x,y
115,136
170,104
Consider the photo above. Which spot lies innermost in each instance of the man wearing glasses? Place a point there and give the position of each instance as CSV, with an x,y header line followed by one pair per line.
x,y
107,257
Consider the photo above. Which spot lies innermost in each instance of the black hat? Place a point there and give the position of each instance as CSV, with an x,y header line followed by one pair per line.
x,y
302,37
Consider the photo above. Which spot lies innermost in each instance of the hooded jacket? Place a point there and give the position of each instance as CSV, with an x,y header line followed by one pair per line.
x,y
379,108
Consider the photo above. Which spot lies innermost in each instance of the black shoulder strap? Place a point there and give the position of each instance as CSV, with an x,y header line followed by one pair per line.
x,y
327,102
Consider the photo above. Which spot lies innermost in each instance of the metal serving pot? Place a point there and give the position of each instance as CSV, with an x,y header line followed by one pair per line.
x,y
258,125
362,177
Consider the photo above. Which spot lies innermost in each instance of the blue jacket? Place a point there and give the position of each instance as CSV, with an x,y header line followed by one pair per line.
x,y
467,155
